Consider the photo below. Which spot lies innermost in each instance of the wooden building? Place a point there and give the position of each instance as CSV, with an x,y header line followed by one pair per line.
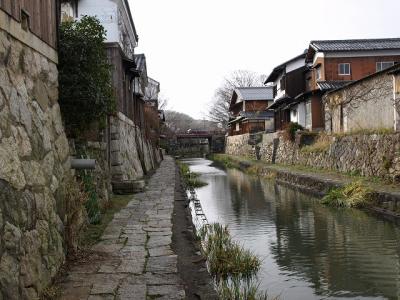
x,y
335,63
288,81
248,110
38,17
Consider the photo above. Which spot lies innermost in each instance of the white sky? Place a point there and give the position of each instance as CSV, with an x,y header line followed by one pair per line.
x,y
191,45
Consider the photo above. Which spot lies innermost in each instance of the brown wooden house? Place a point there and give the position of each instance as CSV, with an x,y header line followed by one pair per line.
x,y
288,81
248,110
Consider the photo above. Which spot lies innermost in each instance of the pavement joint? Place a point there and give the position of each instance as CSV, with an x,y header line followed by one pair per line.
x,y
138,260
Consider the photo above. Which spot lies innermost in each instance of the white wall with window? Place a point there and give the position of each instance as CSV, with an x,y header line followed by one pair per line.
x,y
344,69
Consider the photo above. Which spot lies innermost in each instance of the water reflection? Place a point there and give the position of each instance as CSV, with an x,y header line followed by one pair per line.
x,y
310,251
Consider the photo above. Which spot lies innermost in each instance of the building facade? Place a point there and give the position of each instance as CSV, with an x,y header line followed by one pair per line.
x,y
288,81
248,110
130,154
335,63
370,103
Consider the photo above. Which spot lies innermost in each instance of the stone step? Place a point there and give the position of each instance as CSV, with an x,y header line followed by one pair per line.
x,y
128,187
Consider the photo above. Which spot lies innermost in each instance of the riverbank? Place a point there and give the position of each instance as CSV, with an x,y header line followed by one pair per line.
x,y
318,182
143,249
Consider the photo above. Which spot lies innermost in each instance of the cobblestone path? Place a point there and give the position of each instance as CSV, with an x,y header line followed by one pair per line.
x,y
136,260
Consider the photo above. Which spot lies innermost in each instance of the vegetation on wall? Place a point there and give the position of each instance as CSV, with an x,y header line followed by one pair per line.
x,y
353,195
86,91
290,130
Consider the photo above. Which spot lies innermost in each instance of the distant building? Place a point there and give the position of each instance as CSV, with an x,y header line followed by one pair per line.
x,y
248,110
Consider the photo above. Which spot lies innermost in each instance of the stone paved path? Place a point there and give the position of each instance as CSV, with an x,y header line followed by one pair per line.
x,y
136,260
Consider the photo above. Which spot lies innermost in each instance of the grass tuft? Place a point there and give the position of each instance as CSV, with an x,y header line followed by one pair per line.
x,y
353,195
322,144
233,267
190,179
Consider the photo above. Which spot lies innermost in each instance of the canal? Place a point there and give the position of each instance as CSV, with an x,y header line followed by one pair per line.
x,y
309,251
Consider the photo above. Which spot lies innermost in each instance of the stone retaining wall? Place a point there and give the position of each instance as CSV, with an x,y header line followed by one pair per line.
x,y
360,154
238,145
132,155
34,168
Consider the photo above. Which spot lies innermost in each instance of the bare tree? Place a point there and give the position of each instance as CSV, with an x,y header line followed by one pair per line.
x,y
219,108
162,102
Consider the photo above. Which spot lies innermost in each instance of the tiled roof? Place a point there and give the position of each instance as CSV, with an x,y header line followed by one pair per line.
x,y
279,69
331,85
356,45
257,115
255,93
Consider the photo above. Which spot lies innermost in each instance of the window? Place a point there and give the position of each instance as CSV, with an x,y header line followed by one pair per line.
x,y
318,73
344,69
237,127
382,65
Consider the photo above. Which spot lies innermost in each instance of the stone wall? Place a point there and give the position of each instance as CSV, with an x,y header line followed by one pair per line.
x,y
34,167
101,174
239,145
359,154
132,155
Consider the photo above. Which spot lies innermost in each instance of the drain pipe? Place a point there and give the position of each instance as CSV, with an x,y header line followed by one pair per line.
x,y
83,164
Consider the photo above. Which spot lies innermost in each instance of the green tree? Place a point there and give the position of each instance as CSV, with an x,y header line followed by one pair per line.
x,y
86,91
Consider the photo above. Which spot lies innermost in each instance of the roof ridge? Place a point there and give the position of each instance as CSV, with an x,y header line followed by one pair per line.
x,y
253,87
357,40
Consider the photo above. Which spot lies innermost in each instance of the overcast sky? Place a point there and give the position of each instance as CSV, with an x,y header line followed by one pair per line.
x,y
191,45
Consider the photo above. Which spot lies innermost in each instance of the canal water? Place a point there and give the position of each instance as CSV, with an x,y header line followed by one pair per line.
x,y
309,251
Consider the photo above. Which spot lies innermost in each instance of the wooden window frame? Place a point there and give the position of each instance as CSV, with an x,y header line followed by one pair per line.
x,y
344,64
381,65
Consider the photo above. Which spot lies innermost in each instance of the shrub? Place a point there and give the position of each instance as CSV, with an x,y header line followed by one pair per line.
x,y
289,132
86,91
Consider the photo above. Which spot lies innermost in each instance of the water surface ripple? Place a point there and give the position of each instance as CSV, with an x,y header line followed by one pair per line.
x,y
309,251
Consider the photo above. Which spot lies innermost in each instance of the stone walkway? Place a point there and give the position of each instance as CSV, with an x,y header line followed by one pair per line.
x,y
134,259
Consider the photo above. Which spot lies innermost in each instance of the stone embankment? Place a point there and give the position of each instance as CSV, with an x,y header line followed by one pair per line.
x,y
134,257
318,182
372,155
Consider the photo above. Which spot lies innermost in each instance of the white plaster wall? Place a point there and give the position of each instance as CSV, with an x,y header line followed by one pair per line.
x,y
294,115
106,11
294,65
113,15
279,93
301,112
